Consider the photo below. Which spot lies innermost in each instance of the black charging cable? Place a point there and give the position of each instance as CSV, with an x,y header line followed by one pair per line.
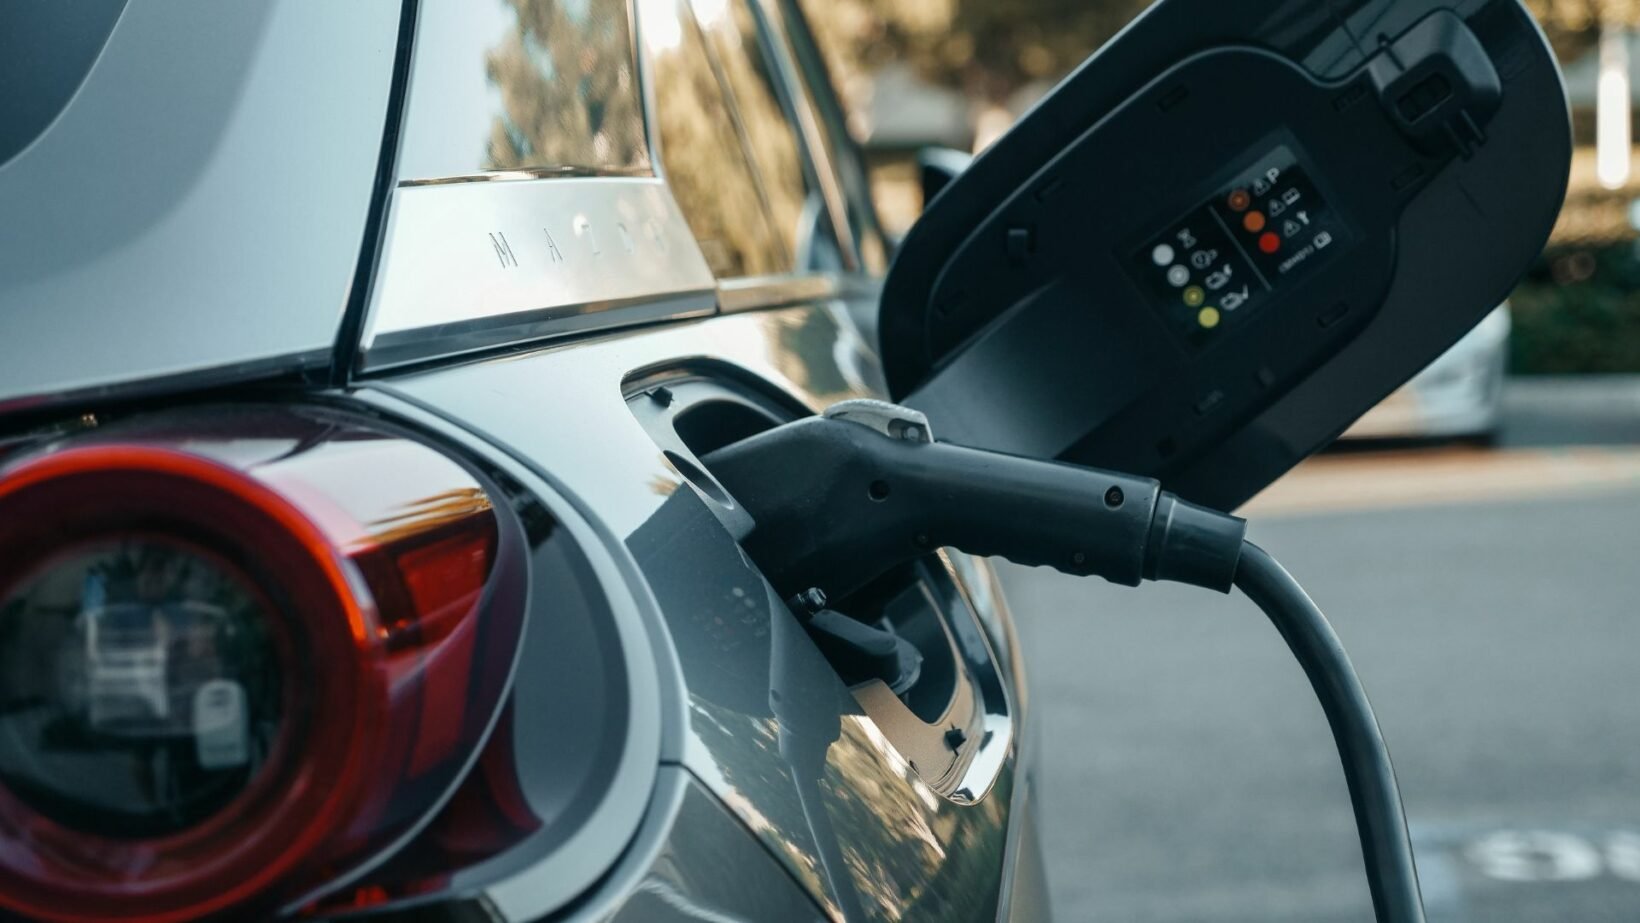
x,y
1380,819
841,499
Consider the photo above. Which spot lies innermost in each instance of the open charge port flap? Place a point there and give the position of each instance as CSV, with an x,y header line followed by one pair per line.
x,y
908,645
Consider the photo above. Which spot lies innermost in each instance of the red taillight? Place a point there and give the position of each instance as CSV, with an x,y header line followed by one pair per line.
x,y
287,634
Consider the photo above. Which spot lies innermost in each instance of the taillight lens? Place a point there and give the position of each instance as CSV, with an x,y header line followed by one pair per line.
x,y
141,689
240,654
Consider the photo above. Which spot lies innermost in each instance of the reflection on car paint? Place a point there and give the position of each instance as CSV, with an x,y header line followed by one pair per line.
x,y
527,88
901,850
790,749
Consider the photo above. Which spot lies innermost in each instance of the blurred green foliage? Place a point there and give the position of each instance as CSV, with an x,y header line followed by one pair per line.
x,y
986,49
569,89
1578,311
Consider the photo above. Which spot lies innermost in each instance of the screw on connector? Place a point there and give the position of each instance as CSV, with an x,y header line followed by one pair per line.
x,y
1114,497
806,603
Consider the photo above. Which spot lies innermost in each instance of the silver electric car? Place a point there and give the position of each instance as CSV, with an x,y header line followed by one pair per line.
x,y
1460,395
385,341
389,527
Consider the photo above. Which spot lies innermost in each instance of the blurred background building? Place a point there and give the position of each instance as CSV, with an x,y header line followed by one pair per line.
x,y
956,73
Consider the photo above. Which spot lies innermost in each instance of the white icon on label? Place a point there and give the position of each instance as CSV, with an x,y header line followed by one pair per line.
x,y
1304,217
1162,255
1291,196
1275,207
1187,240
1291,228
1261,186
1220,279
1322,240
1233,300
220,732
1273,174
1203,259
1178,276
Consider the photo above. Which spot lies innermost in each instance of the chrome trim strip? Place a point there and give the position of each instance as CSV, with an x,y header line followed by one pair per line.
x,y
752,293
564,171
472,266
464,337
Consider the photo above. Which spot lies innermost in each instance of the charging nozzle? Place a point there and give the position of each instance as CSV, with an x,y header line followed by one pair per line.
x,y
838,500
841,499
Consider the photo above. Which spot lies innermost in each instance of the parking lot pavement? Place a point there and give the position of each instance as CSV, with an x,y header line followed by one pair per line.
x,y
1187,773
1572,410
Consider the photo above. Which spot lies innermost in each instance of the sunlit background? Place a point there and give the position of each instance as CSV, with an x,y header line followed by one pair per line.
x,y
1480,565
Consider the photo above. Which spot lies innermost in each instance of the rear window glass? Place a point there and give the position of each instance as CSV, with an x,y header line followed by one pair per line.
x,y
769,132
538,86
715,184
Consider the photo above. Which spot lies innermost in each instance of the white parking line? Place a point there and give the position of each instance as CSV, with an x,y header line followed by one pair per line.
x,y
1555,855
1464,866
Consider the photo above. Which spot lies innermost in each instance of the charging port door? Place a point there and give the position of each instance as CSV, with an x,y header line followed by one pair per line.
x,y
1230,233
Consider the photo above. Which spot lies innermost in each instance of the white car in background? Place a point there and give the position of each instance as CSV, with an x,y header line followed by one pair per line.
x,y
1460,395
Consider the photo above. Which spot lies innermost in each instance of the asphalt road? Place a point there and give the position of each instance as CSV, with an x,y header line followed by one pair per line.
x,y
1187,774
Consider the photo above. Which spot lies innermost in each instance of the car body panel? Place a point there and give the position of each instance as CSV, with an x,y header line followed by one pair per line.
x,y
819,785
596,702
504,316
222,158
709,870
472,266
39,86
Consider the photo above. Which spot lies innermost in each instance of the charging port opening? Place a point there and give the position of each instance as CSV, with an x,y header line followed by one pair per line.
x,y
955,707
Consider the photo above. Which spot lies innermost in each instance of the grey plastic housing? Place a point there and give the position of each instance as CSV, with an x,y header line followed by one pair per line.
x,y
1426,142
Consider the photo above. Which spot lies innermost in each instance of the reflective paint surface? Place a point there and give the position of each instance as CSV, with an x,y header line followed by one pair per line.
x,y
221,247
470,266
709,870
520,88
771,731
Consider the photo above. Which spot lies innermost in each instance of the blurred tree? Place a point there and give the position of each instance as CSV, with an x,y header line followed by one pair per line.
x,y
706,162
989,48
1578,15
1573,26
770,139
985,48
569,91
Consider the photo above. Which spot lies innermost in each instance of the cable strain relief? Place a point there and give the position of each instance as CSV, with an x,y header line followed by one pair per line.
x,y
1193,544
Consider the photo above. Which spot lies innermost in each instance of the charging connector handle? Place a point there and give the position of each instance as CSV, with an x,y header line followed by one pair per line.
x,y
840,500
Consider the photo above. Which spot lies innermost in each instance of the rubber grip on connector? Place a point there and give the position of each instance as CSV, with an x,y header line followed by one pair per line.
x,y
1193,544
